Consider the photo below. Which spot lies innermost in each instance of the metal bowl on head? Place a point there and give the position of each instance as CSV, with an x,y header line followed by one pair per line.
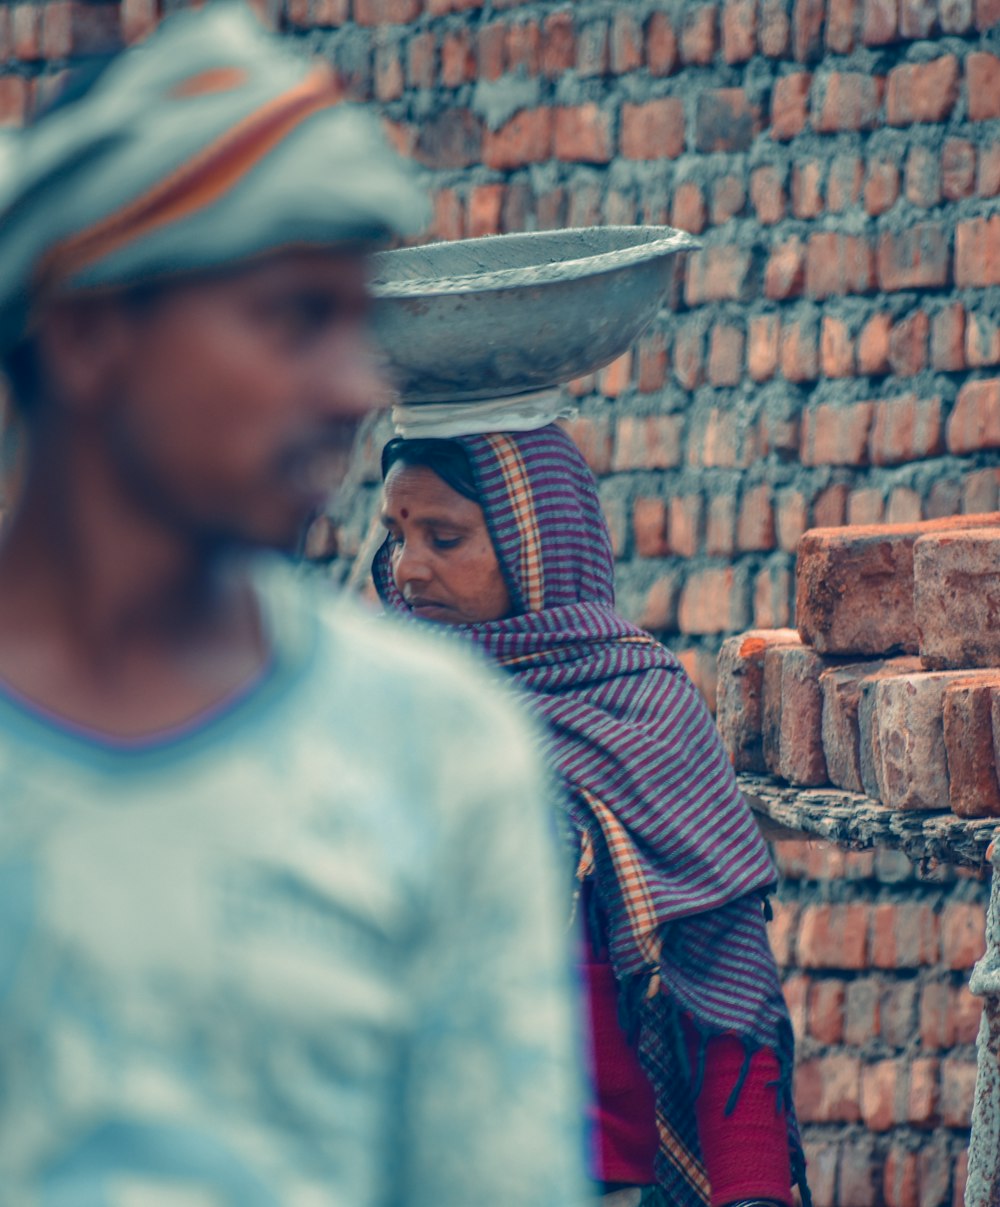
x,y
513,314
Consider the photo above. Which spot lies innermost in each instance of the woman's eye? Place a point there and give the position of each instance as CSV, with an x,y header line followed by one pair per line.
x,y
446,542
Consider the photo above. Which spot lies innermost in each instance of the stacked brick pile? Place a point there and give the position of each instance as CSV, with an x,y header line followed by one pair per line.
x,y
891,685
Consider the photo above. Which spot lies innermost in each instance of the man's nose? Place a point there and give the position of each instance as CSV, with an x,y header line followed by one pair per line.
x,y
353,382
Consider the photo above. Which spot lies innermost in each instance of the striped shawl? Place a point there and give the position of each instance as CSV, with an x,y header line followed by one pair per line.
x,y
678,867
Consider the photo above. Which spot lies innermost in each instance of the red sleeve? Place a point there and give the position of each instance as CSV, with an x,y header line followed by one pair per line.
x,y
745,1152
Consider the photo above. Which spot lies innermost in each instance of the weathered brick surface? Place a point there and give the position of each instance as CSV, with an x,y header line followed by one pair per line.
x,y
793,715
841,687
973,786
740,708
957,598
854,588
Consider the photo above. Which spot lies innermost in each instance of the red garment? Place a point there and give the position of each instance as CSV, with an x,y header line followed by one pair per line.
x,y
745,1153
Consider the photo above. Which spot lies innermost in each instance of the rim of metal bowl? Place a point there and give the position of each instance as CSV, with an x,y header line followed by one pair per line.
x,y
542,274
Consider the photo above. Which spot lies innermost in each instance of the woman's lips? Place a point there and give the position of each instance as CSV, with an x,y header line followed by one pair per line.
x,y
427,607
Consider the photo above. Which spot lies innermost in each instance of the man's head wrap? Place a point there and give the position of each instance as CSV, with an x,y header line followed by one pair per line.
x,y
210,144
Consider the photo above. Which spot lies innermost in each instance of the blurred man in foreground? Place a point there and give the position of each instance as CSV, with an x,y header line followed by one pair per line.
x,y
277,917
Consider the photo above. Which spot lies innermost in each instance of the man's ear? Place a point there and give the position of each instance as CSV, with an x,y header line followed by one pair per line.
x,y
81,342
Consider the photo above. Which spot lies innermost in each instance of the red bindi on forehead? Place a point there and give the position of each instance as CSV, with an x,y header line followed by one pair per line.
x,y
405,512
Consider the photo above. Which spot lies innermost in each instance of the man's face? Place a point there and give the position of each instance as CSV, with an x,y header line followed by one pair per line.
x,y
234,402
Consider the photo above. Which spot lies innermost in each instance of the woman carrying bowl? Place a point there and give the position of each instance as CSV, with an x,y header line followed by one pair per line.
x,y
500,534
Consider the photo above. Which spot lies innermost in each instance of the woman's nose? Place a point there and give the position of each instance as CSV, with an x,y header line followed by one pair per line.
x,y
409,566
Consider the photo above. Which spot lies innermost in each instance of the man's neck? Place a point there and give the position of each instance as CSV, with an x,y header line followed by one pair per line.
x,y
113,620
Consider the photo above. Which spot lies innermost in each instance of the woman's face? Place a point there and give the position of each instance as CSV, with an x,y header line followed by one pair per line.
x,y
443,561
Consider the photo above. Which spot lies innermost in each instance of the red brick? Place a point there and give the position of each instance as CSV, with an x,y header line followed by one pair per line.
x,y
689,355
908,344
987,15
904,936
491,50
873,345
485,204
881,1090
917,18
653,442
834,936
879,21
836,348
916,258
905,506
649,526
785,273
140,17
781,934
958,1088
836,435
661,45
974,789
526,138
718,442
685,524
778,430
923,1093
937,1028
773,590
626,43
807,29
421,65
851,101
763,345
963,934
698,34
790,105
449,215
906,429
15,94
725,356
982,73
955,16
922,179
846,179
841,687
720,526
807,195
523,47
855,587
652,356
792,519
71,28
838,264
866,506
389,83
659,606
774,28
945,499
700,667
739,31
958,168
713,601
948,338
881,186
922,92
913,766
979,492
451,140
592,57
593,438
725,120
862,1011
956,597
718,274
386,12
583,134
458,62
988,171
975,421
755,526
585,204
792,726
799,350
767,193
741,694
654,130
900,1179
26,31
558,44
982,340
977,252
826,1011
689,212
842,26
614,379
728,198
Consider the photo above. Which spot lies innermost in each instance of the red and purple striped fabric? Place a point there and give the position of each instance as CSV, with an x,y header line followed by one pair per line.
x,y
679,866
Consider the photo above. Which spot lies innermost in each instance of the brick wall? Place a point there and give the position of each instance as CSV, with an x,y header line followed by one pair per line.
x,y
831,356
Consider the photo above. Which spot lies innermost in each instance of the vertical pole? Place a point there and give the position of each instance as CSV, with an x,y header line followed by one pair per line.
x,y
983,1186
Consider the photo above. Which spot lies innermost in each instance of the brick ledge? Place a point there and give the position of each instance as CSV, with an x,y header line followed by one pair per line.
x,y
860,823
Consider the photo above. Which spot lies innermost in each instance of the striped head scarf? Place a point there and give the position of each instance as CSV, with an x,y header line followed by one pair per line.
x,y
662,833
209,144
